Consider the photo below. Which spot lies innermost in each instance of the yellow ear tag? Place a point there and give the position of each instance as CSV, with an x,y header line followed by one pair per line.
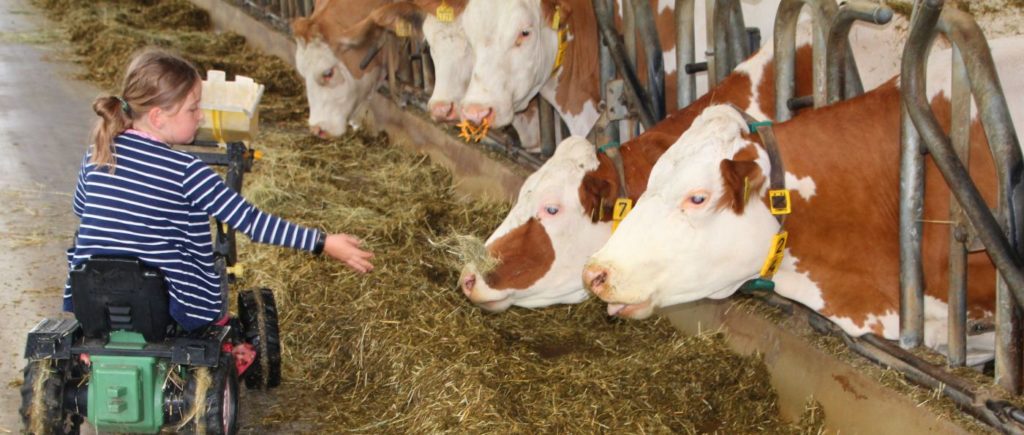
x,y
556,20
403,29
622,208
445,13
774,260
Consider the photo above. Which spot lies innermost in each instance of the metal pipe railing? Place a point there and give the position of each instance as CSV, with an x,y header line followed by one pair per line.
x,y
1002,235
652,54
822,13
634,91
843,79
731,45
686,84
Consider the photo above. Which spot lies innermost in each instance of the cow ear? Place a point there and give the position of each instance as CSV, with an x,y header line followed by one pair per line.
x,y
598,191
741,182
302,27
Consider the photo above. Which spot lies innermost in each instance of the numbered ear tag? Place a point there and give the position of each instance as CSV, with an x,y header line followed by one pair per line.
x,y
445,13
774,260
622,208
403,29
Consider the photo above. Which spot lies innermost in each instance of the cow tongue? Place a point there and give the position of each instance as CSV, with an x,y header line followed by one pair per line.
x,y
614,309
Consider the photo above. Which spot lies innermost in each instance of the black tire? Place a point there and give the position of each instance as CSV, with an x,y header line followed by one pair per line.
x,y
257,311
218,414
42,399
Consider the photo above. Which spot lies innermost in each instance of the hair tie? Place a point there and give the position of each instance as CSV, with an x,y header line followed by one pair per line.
x,y
124,106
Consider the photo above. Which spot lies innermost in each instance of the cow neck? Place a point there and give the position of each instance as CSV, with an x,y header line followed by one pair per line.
x,y
778,203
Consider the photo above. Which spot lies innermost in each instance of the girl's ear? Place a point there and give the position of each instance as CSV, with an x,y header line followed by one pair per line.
x,y
155,117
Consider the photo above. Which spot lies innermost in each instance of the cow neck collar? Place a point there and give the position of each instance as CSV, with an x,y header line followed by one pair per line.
x,y
563,38
778,203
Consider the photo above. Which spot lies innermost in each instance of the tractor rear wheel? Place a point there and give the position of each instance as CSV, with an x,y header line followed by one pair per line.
x,y
257,311
42,399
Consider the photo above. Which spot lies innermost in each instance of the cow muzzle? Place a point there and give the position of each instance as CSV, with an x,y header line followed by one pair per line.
x,y
595,279
476,113
443,111
319,132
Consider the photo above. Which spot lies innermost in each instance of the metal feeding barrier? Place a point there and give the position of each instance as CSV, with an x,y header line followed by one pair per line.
x,y
1000,233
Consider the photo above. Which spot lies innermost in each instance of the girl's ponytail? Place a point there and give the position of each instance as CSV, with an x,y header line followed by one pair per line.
x,y
115,118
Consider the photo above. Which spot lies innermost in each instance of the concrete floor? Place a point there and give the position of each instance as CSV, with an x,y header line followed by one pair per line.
x,y
45,118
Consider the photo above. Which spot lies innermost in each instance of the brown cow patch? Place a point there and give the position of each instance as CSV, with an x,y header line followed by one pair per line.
x,y
525,255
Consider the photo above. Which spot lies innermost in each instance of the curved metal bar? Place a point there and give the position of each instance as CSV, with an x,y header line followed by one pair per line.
x,y
686,83
845,74
655,60
635,91
985,86
731,45
822,12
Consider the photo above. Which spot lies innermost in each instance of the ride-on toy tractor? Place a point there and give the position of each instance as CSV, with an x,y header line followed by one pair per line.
x,y
124,365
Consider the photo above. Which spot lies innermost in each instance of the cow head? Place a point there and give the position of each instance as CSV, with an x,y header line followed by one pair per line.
x,y
335,84
515,48
548,235
698,231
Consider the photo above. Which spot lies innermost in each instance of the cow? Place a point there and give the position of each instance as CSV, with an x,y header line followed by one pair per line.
x,y
516,43
336,86
542,253
452,59
702,228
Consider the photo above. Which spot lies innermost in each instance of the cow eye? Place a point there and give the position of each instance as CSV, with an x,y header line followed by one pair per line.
x,y
525,33
551,210
328,73
695,199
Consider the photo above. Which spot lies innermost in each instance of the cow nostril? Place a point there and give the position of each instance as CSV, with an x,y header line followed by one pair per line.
x,y
468,282
595,278
315,130
442,111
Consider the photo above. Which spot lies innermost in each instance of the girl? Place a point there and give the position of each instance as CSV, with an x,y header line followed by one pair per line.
x,y
137,197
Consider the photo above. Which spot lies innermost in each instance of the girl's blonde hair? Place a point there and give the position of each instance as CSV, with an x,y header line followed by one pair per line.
x,y
155,78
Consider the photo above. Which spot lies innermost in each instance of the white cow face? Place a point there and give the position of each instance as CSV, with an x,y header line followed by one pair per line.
x,y
453,63
333,91
545,240
692,234
515,50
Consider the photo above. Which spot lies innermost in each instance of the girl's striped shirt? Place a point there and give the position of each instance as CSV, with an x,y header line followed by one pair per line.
x,y
156,206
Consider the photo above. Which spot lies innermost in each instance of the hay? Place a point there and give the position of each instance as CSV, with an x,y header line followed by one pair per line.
x,y
400,350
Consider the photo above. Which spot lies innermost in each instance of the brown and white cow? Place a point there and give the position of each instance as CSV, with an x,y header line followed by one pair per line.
x,y
516,48
541,261
451,54
694,234
335,85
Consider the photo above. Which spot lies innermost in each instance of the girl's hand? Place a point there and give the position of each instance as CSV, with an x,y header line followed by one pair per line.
x,y
345,248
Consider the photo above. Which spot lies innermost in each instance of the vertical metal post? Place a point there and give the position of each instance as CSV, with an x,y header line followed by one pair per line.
x,y
960,134
547,127
428,71
686,84
911,212
822,13
611,131
654,59
416,53
710,54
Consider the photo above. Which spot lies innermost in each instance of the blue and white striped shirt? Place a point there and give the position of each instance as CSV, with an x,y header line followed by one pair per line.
x,y
156,206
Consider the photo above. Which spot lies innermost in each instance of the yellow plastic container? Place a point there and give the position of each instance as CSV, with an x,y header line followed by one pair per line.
x,y
231,108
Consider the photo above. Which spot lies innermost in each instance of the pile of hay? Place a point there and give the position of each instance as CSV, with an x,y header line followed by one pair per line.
x,y
401,350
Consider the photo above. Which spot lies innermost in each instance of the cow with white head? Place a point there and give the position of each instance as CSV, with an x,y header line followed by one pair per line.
x,y
336,85
703,228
